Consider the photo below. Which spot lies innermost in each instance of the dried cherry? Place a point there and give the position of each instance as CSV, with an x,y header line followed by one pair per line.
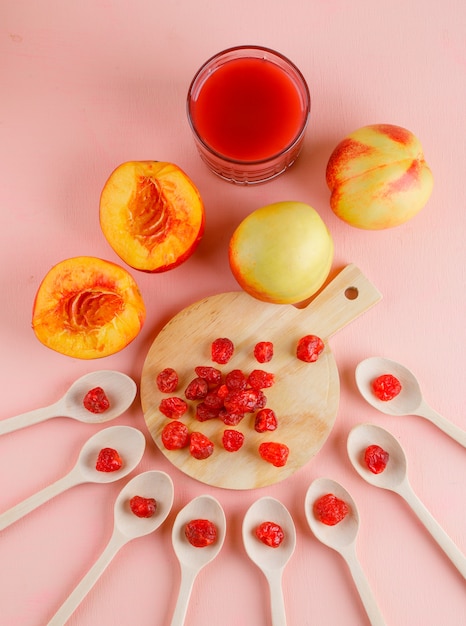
x,y
274,453
386,387
108,460
376,458
270,533
265,420
167,380
213,400
212,375
200,532
143,507
232,440
261,399
309,348
259,379
173,407
96,400
200,446
222,350
230,419
263,351
197,389
242,401
222,391
204,412
236,380
330,510
175,435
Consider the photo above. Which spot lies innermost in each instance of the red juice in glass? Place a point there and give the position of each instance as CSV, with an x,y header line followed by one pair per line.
x,y
248,108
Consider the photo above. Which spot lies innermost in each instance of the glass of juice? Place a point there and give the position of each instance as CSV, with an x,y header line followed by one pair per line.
x,y
248,108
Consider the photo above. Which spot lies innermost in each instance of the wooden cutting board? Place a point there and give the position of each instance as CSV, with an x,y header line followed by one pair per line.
x,y
305,396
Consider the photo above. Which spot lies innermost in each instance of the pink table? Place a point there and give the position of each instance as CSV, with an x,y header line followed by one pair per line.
x,y
86,87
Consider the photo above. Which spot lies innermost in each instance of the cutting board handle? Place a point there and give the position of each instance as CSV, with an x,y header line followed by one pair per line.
x,y
346,297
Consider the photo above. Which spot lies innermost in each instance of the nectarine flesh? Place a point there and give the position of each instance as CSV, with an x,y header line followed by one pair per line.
x,y
152,215
87,308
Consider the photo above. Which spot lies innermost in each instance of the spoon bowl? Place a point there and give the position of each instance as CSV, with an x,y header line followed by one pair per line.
x,y
269,509
271,561
202,507
364,435
395,478
128,441
127,526
193,559
409,401
152,484
405,403
119,388
342,538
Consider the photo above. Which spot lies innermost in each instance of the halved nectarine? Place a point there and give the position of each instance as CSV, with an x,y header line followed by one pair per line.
x,y
152,215
87,308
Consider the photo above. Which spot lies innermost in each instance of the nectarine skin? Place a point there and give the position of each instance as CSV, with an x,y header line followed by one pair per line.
x,y
378,177
281,253
152,215
87,308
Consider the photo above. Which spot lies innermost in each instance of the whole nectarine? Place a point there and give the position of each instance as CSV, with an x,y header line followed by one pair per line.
x,y
378,177
87,308
281,253
152,215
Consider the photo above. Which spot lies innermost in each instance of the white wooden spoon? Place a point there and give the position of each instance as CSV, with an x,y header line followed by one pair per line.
x,y
129,442
119,388
395,478
408,402
342,538
193,559
127,526
271,561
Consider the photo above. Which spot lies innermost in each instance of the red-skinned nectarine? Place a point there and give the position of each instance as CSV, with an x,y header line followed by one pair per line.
x,y
378,177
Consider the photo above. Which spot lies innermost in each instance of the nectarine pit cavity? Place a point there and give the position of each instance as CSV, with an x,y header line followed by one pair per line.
x,y
150,211
90,309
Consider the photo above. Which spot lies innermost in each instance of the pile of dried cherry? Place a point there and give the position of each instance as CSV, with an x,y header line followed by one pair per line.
x,y
228,397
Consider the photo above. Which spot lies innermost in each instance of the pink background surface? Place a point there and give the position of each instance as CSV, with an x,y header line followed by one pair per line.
x,y
87,87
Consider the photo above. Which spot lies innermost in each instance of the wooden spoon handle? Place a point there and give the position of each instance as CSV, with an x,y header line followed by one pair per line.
x,y
450,429
363,587
437,532
33,502
30,418
85,585
188,576
277,603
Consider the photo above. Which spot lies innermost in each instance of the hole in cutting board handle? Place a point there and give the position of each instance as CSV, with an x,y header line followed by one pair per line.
x,y
351,293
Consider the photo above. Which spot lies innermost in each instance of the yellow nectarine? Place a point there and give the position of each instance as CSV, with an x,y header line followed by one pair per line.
x,y
281,253
87,308
378,177
152,215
